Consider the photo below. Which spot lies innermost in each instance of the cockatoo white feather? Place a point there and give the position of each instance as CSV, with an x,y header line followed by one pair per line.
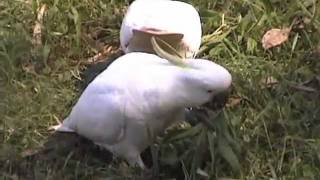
x,y
175,21
137,97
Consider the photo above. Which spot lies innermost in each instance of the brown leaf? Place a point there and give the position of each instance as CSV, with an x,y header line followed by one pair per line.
x,y
269,82
275,37
29,152
106,51
234,101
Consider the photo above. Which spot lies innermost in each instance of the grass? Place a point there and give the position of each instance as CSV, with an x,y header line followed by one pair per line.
x,y
266,131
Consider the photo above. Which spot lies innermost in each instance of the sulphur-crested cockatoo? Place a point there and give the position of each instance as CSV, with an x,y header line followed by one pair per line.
x,y
176,22
138,96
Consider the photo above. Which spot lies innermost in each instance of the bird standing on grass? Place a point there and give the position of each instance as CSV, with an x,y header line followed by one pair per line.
x,y
146,94
175,22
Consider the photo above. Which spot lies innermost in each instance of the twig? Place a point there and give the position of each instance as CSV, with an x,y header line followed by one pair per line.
x,y
37,30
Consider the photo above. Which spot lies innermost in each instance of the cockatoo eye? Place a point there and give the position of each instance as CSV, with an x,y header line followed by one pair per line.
x,y
209,91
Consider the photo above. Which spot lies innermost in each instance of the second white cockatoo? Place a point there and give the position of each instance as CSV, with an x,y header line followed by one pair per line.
x,y
175,22
138,96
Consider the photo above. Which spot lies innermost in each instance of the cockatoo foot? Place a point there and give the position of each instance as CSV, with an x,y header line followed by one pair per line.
x,y
60,127
141,164
54,128
152,172
137,161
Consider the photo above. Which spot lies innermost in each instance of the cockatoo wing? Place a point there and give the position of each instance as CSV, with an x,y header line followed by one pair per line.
x,y
98,115
128,90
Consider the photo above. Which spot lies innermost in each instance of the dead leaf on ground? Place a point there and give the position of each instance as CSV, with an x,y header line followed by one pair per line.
x,y
233,101
300,22
106,52
269,82
29,68
275,37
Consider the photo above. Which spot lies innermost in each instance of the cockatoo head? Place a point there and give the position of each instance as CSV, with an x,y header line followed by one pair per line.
x,y
203,80
200,79
175,22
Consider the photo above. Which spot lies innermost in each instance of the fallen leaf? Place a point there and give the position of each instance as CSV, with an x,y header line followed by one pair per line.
x,y
269,82
233,101
29,152
300,22
275,37
29,68
106,52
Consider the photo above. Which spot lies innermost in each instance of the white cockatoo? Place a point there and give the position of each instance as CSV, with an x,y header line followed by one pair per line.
x,y
175,22
138,96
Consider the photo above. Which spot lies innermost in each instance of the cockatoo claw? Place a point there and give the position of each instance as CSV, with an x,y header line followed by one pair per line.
x,y
54,128
141,164
60,127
